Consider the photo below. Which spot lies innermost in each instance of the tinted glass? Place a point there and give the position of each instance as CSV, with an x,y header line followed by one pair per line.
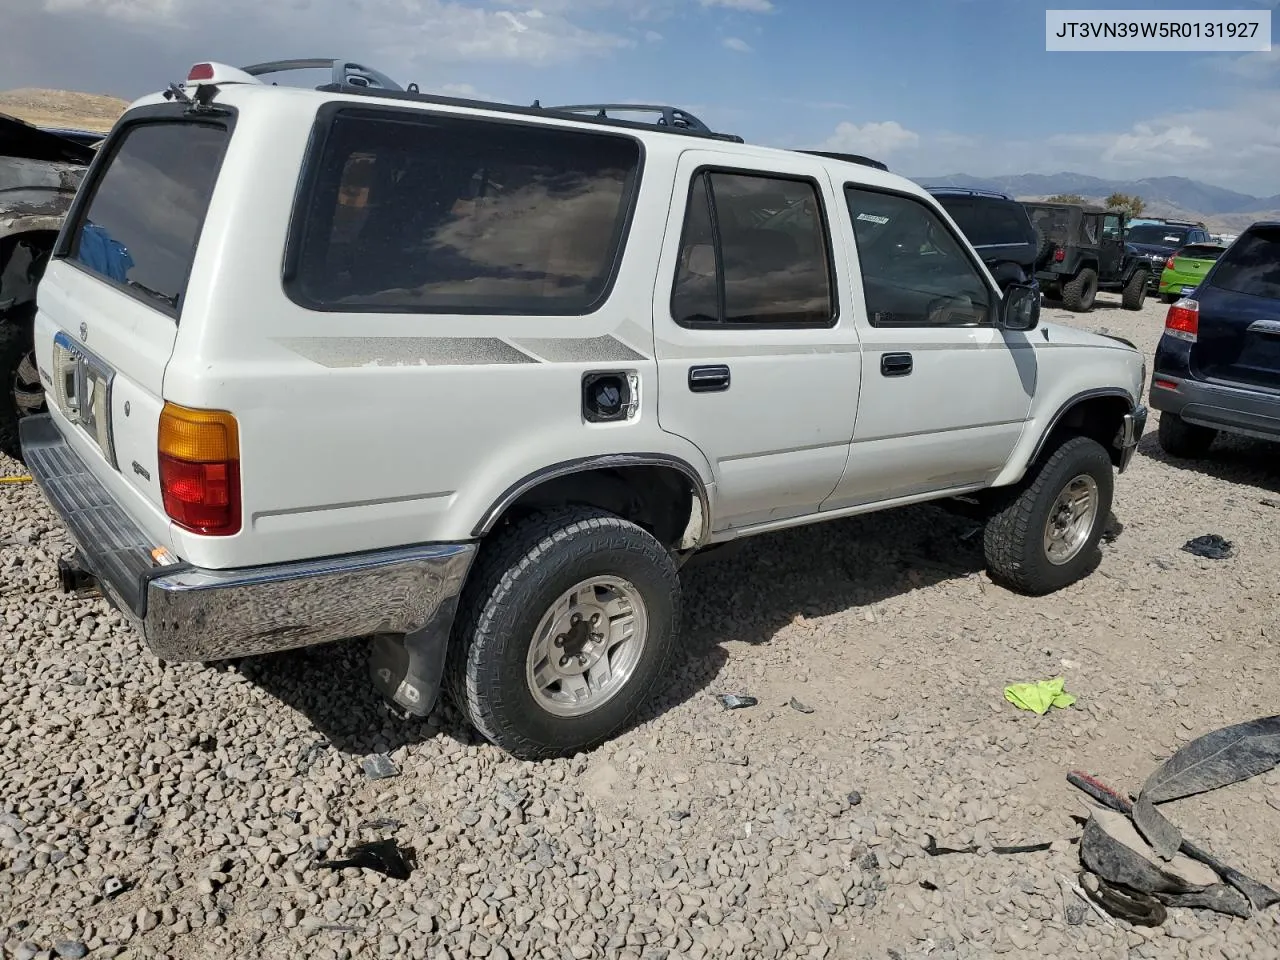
x,y
1252,265
1199,252
753,249
696,295
990,222
1158,235
421,213
773,250
1111,228
143,221
914,272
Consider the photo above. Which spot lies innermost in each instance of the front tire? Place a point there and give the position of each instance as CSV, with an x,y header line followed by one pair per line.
x,y
1045,534
1079,293
1187,441
566,624
1135,291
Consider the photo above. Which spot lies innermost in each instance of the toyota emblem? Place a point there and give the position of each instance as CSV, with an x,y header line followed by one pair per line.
x,y
84,331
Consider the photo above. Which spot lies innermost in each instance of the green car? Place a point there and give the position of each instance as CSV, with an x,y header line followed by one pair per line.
x,y
1186,267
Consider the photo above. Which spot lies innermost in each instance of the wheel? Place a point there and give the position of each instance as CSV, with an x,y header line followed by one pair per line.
x,y
1169,297
1187,441
22,394
565,624
1135,291
1078,293
1044,535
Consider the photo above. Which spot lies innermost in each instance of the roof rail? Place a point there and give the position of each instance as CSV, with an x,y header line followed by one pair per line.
x,y
969,191
674,117
847,157
345,73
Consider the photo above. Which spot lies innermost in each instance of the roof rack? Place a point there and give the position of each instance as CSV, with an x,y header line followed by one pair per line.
x,y
344,72
847,157
674,117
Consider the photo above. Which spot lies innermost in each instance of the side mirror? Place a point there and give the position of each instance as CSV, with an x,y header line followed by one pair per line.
x,y
1020,307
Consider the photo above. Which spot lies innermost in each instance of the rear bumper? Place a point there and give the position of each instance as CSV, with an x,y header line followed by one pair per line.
x,y
190,613
1251,413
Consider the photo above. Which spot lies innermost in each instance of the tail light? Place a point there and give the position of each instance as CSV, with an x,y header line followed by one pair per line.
x,y
1183,320
200,469
1168,264
1059,255
200,71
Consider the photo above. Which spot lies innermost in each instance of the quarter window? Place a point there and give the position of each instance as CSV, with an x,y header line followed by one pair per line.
x,y
411,212
754,250
914,271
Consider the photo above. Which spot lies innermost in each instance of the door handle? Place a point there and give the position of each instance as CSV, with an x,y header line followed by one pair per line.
x,y
709,379
895,364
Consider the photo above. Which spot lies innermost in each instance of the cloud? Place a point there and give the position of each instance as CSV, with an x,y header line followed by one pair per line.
x,y
737,43
1259,65
748,6
872,139
1235,145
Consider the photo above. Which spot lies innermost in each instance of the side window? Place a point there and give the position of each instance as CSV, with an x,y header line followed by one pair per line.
x,y
753,251
1090,228
914,271
1111,227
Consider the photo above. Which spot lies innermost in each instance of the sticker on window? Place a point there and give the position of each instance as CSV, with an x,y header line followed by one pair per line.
x,y
873,218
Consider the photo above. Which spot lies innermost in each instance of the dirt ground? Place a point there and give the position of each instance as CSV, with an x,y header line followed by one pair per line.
x,y
62,108
763,832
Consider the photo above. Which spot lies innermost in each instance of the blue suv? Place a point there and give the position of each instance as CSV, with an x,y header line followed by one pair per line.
x,y
1217,365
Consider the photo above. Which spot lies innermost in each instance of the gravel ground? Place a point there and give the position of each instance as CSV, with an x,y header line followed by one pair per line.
x,y
205,793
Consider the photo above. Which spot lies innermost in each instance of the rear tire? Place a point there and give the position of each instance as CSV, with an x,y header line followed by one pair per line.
x,y
516,631
1045,533
1079,293
1186,441
1135,291
1169,297
20,391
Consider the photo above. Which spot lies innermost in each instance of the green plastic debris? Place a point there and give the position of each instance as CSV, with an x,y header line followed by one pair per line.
x,y
1040,696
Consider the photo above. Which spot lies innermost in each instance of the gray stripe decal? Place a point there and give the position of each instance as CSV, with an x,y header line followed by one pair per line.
x,y
404,351
606,349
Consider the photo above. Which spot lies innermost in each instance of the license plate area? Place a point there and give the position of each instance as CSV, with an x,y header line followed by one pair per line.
x,y
82,387
1188,290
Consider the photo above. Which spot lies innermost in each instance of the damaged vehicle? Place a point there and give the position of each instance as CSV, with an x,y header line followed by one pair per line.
x,y
40,171
570,351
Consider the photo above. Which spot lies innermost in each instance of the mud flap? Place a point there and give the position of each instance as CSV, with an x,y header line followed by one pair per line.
x,y
408,669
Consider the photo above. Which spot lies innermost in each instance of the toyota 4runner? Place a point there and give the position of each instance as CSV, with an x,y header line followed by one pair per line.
x,y
474,380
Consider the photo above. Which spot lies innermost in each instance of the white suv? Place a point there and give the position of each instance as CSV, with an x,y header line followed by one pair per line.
x,y
474,380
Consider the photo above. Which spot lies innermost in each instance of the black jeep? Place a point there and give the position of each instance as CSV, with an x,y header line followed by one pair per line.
x,y
1088,253
1000,231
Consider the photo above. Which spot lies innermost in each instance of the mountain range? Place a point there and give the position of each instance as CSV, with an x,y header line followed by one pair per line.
x,y
1218,207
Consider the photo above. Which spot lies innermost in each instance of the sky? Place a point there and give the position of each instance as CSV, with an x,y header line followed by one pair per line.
x,y
931,87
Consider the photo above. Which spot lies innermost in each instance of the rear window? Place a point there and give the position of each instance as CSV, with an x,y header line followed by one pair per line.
x,y
1053,222
414,212
990,222
1158,235
1252,265
1199,252
142,223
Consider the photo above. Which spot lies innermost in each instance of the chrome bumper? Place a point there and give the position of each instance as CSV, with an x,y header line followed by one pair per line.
x,y
190,613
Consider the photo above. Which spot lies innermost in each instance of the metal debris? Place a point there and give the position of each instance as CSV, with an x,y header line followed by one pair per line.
x,y
379,767
381,823
735,701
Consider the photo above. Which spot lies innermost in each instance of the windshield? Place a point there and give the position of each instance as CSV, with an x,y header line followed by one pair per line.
x,y
1158,235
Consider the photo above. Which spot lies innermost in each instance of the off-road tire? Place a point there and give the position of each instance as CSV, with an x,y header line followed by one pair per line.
x,y
1044,249
1014,537
1135,291
15,345
516,577
1169,297
1186,441
1080,291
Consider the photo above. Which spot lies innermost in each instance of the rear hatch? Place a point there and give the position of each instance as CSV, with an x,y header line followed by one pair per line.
x,y
1190,264
111,300
1239,327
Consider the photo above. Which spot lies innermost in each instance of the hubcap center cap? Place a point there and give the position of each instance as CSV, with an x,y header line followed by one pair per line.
x,y
579,640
